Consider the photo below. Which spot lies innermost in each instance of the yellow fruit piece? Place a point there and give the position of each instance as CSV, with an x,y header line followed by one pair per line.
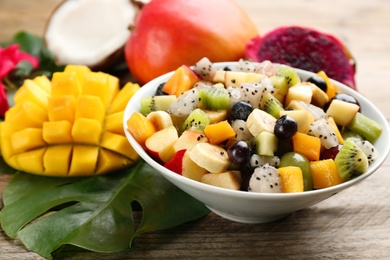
x,y
27,139
87,131
324,174
80,71
90,107
309,146
114,123
57,132
43,82
291,178
84,160
61,108
66,126
31,161
109,161
65,83
30,91
219,132
96,84
56,160
118,143
336,130
122,98
140,127
26,114
332,89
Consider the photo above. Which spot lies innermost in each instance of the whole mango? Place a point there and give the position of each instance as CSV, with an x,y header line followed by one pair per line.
x,y
170,33
69,126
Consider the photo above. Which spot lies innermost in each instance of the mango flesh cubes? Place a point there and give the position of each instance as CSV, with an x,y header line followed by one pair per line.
x,y
69,126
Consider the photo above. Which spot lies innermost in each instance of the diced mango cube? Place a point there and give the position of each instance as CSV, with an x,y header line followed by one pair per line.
x,y
80,71
25,115
27,139
119,144
86,131
90,107
114,123
56,160
309,146
84,159
109,161
291,178
62,108
30,91
31,161
120,100
43,82
57,132
97,84
65,83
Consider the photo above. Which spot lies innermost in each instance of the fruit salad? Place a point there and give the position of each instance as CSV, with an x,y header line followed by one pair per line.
x,y
255,127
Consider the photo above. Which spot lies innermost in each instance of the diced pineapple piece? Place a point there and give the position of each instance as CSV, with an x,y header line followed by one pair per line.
x,y
31,161
30,91
109,161
62,108
86,131
56,160
90,107
114,123
84,160
27,139
57,132
65,83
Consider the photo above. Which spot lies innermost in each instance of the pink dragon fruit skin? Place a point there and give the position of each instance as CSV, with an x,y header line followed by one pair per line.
x,y
306,49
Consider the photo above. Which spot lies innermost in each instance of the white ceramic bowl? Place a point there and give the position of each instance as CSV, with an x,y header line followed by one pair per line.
x,y
250,207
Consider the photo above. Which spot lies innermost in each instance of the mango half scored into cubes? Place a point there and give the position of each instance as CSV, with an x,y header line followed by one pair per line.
x,y
69,126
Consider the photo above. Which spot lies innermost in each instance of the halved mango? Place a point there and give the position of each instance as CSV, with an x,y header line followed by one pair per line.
x,y
66,127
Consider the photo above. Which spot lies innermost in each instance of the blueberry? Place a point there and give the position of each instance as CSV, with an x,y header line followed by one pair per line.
x,y
319,82
241,110
285,127
239,153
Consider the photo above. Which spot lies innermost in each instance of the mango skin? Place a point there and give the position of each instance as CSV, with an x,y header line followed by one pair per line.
x,y
69,126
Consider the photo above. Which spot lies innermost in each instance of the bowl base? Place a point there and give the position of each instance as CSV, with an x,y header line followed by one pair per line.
x,y
247,220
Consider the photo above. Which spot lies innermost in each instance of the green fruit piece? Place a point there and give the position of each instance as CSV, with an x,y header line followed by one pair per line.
x,y
284,78
266,143
197,120
351,161
214,98
299,160
350,134
156,103
366,127
271,105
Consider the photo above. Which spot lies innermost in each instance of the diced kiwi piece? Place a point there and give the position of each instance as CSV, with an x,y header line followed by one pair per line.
x,y
266,143
366,127
214,98
156,103
284,78
197,120
271,105
351,161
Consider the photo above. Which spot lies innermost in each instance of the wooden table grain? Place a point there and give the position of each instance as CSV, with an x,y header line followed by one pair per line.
x,y
354,224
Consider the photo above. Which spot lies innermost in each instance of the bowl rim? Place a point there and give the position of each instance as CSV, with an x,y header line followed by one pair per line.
x,y
132,105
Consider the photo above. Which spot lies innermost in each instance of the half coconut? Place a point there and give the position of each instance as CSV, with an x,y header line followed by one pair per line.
x,y
90,32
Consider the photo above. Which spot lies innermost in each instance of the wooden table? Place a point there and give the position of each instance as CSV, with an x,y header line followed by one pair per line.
x,y
351,225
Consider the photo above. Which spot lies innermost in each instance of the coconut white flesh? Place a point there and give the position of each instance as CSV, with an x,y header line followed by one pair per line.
x,y
86,32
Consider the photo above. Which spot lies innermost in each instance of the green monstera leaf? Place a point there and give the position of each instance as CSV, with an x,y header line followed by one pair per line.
x,y
94,213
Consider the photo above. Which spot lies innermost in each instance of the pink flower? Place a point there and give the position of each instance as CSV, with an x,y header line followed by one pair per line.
x,y
9,59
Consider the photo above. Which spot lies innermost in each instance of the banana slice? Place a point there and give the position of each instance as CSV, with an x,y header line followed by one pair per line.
x,y
259,121
160,119
210,157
